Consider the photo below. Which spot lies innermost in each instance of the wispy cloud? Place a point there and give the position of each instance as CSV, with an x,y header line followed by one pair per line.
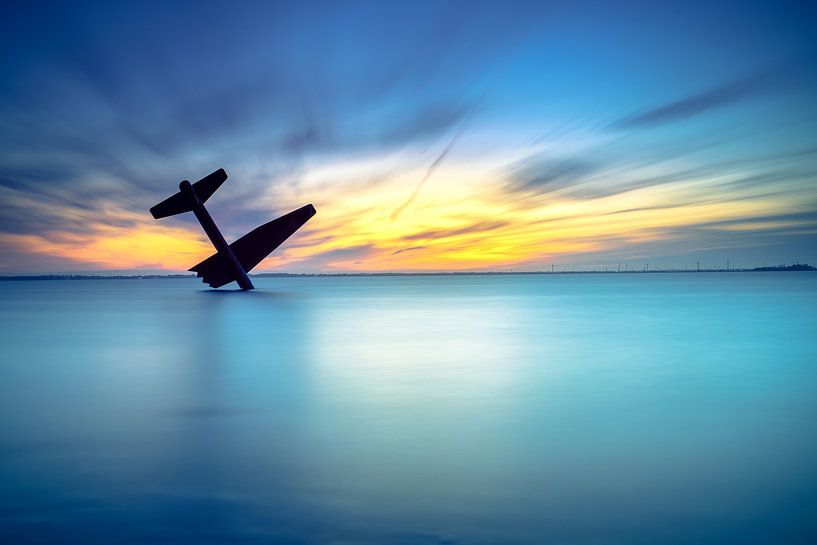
x,y
546,175
436,234
102,114
432,167
410,249
698,103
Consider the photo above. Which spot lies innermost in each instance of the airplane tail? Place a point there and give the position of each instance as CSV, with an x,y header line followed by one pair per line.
x,y
180,203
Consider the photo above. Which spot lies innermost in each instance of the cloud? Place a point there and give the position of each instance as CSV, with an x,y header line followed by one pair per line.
x,y
436,163
411,249
139,119
478,227
699,103
103,111
546,175
771,223
332,259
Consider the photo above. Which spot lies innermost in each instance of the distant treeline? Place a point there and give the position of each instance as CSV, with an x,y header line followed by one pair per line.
x,y
776,268
796,267
94,276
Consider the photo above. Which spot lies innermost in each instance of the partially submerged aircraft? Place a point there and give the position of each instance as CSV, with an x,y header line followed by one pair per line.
x,y
230,262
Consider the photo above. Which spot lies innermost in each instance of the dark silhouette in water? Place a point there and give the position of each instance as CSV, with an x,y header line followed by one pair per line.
x,y
231,261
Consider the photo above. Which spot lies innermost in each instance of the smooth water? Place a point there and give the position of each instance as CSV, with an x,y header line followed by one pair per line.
x,y
576,409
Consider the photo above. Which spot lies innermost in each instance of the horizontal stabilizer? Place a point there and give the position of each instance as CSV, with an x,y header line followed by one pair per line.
x,y
180,202
209,184
253,247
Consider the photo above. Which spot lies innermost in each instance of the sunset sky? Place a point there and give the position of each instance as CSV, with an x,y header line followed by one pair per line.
x,y
429,136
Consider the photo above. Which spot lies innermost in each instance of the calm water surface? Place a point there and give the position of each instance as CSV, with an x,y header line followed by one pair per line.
x,y
576,409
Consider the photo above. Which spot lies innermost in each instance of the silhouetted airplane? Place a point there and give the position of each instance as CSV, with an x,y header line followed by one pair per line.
x,y
230,262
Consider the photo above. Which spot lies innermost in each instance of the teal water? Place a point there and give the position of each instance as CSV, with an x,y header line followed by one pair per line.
x,y
576,409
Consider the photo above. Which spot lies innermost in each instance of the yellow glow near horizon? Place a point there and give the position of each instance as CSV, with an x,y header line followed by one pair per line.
x,y
475,224
105,245
462,219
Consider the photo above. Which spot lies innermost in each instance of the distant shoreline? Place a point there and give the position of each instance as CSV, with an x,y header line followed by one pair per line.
x,y
781,268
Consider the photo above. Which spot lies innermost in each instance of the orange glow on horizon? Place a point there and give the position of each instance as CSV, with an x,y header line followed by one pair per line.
x,y
460,221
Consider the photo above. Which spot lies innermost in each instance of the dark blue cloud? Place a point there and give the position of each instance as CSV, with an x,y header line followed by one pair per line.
x,y
106,103
717,97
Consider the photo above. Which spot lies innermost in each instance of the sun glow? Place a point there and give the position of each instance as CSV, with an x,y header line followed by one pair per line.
x,y
459,219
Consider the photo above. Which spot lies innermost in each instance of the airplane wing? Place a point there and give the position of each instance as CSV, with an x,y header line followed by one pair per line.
x,y
179,202
253,247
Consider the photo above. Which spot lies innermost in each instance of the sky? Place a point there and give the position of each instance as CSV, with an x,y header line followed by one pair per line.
x,y
430,136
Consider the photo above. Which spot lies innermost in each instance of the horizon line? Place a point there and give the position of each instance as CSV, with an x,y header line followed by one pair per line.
x,y
797,267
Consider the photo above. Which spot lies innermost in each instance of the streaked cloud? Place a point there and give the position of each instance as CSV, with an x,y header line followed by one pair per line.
x,y
696,104
432,167
409,249
367,110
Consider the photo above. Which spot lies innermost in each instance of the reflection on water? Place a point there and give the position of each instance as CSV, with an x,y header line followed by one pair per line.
x,y
673,408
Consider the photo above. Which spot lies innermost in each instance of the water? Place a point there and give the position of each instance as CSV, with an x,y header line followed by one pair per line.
x,y
580,409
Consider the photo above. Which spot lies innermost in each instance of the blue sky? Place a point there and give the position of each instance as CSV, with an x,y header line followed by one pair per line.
x,y
430,136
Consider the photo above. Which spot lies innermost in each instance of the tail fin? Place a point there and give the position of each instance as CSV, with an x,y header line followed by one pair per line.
x,y
179,203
